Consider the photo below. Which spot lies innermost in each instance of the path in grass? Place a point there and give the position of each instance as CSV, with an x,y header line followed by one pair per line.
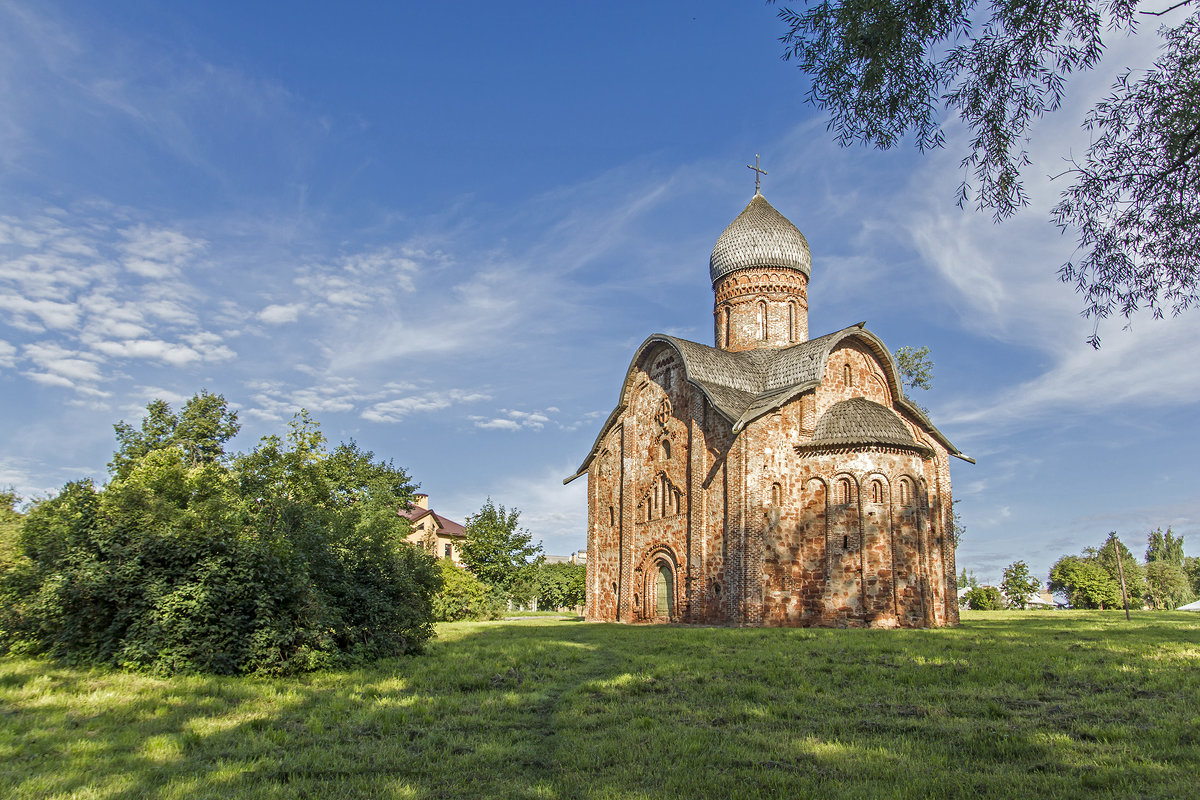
x,y
1007,705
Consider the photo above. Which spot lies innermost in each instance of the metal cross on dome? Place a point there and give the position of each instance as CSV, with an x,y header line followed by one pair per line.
x,y
758,172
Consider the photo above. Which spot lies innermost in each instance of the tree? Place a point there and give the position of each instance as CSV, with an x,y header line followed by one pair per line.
x,y
916,368
1018,584
1191,568
1167,586
10,523
1084,583
1164,547
885,70
561,585
1135,573
966,580
200,431
496,551
957,528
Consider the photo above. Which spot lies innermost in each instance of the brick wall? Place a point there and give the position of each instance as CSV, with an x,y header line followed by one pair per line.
x,y
750,531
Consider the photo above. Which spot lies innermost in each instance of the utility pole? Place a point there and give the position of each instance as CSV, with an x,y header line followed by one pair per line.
x,y
1112,537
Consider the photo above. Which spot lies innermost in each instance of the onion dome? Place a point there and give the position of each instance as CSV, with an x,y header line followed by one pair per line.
x,y
759,237
861,421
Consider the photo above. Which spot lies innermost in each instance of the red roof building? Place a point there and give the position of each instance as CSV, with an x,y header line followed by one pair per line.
x,y
439,535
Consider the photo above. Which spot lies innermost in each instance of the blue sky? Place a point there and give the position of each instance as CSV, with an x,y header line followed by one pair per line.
x,y
443,229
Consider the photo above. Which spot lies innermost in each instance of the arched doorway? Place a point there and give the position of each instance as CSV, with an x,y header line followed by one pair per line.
x,y
665,592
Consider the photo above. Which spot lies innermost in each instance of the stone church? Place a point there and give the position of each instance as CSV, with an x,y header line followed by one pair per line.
x,y
772,479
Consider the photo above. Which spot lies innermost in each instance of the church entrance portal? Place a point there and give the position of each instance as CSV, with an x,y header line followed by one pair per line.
x,y
666,591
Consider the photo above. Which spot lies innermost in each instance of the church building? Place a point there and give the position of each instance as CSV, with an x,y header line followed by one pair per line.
x,y
771,479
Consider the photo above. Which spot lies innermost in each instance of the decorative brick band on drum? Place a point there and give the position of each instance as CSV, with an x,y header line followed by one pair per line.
x,y
772,479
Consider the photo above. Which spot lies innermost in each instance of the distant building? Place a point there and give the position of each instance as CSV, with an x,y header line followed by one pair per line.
x,y
1041,599
578,557
438,535
771,479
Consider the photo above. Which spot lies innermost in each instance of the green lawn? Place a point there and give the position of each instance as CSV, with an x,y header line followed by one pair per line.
x,y
1030,705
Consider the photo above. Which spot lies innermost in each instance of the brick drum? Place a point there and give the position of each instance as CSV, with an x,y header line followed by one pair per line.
x,y
771,479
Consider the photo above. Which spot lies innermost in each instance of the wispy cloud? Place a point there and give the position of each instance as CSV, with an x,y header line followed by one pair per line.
x,y
399,408
276,401
97,321
280,314
514,420
157,253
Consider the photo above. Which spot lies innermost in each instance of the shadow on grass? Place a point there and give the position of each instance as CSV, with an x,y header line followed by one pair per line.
x,y
1005,705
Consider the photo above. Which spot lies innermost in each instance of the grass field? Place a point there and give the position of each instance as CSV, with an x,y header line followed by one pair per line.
x,y
1025,705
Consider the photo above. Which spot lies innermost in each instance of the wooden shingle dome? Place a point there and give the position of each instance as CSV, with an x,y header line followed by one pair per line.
x,y
759,237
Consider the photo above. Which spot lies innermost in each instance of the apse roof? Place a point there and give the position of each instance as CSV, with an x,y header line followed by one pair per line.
x,y
860,421
759,237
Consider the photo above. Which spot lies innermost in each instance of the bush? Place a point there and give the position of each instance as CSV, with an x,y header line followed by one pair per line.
x,y
463,596
282,560
984,598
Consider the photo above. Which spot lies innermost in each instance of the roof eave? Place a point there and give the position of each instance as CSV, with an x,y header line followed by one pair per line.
x,y
655,338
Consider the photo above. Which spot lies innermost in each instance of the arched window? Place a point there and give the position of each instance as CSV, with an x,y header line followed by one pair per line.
x,y
725,325
876,492
666,449
791,320
847,376
845,492
776,494
906,493
762,319
611,516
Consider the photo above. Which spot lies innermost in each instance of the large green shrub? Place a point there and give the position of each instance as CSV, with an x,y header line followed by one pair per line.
x,y
463,596
283,559
984,598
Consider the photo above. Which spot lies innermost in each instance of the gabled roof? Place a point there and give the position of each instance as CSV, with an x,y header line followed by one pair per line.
x,y
743,386
442,525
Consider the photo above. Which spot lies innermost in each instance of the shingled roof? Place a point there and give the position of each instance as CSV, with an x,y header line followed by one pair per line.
x,y
857,422
743,386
